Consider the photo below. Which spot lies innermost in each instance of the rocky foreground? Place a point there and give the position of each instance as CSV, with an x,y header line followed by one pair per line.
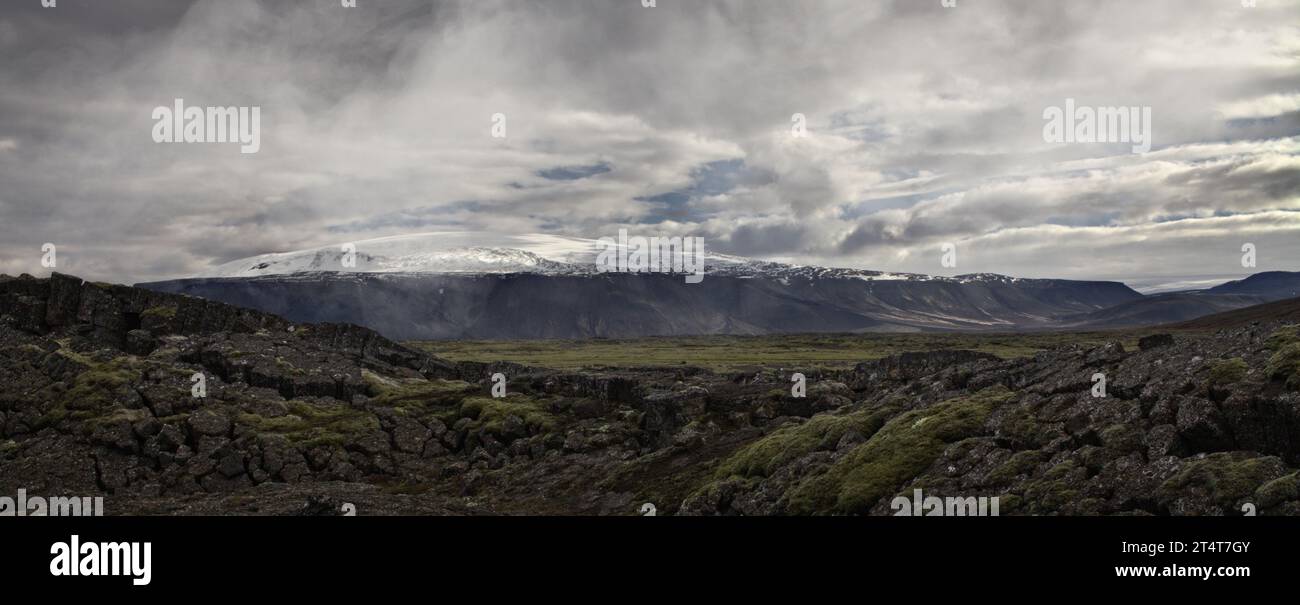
x,y
97,397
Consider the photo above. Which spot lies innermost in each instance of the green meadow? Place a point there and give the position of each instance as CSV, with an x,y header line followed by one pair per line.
x,y
721,353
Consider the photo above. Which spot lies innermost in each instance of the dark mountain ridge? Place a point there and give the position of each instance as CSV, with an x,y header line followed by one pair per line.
x,y
477,285
1273,285
1173,307
531,306
778,300
1278,311
1159,309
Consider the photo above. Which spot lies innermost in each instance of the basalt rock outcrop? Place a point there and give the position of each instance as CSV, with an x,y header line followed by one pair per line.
x,y
169,404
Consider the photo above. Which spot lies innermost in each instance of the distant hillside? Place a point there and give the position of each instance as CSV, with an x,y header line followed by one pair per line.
x,y
1272,285
1160,309
1282,310
538,306
449,286
1173,307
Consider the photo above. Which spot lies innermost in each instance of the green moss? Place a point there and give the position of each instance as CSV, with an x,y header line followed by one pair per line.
x,y
98,390
118,415
1009,503
52,417
491,413
1227,371
1122,438
903,448
1021,427
285,365
1277,491
311,425
418,397
1055,489
1224,477
176,419
1285,365
1282,337
1020,463
65,349
101,384
1285,362
791,442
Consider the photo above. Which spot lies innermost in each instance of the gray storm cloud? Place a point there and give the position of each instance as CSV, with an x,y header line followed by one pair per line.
x,y
924,126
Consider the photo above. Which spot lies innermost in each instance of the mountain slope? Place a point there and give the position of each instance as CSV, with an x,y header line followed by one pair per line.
x,y
1159,309
1175,307
1271,285
442,306
1278,311
482,285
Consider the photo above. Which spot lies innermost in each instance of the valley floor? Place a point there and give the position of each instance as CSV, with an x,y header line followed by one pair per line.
x,y
733,353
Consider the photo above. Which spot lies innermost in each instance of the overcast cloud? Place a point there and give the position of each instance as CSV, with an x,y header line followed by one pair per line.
x,y
924,126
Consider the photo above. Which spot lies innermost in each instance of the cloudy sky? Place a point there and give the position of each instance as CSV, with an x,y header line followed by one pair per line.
x,y
924,126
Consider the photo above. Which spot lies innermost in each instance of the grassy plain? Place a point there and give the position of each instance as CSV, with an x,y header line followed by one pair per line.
x,y
831,351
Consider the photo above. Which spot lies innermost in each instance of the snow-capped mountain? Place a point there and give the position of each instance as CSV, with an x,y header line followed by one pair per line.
x,y
477,253
462,253
487,253
477,285
480,285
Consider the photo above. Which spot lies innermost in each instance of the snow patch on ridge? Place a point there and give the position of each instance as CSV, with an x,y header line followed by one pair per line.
x,y
489,253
